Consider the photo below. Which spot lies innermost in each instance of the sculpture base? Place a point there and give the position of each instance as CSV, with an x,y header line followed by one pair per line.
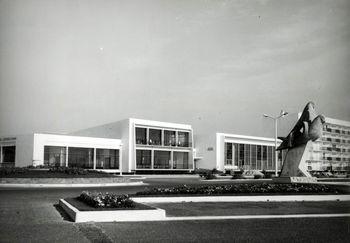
x,y
294,179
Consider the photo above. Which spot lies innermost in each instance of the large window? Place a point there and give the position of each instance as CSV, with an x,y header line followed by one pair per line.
x,y
162,160
143,159
54,155
180,160
8,155
169,138
107,159
81,157
228,153
183,139
141,135
155,137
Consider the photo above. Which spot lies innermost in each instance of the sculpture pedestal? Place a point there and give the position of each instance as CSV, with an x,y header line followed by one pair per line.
x,y
294,179
294,168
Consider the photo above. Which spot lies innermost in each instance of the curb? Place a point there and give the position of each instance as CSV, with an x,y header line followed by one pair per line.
x,y
279,216
10,185
283,198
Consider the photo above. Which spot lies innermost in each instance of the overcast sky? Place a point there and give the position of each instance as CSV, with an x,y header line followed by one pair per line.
x,y
69,65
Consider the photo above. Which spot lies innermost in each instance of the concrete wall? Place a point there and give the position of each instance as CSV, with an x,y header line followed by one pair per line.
x,y
24,150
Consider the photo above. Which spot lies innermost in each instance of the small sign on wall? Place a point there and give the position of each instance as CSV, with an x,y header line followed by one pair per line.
x,y
210,149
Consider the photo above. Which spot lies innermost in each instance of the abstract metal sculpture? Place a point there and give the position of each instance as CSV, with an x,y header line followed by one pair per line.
x,y
299,141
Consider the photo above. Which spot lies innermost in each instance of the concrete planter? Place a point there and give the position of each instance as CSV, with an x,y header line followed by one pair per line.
x,y
112,215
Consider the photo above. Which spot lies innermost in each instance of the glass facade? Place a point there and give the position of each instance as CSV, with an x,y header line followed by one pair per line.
x,y
54,156
250,156
163,148
169,138
183,139
141,135
143,159
107,159
162,159
180,160
155,137
81,157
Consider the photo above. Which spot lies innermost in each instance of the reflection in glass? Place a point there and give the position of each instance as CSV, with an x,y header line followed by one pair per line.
x,y
180,160
161,160
143,159
141,135
54,155
183,139
81,157
155,137
107,159
169,138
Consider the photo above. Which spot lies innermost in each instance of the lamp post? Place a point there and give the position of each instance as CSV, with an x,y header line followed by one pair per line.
x,y
275,119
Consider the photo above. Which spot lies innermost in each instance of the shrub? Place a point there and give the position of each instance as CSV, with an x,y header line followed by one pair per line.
x,y
12,170
241,188
209,176
69,170
106,200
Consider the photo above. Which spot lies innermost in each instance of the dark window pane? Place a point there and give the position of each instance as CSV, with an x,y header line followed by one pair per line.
x,y
169,138
228,153
54,155
8,154
155,137
141,135
81,157
183,139
107,159
143,159
180,160
161,159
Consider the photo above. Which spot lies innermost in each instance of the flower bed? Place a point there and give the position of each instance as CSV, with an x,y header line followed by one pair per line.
x,y
240,189
106,200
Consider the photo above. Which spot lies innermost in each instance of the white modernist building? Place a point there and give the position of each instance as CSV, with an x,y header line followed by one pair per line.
x,y
62,150
149,145
143,146
235,152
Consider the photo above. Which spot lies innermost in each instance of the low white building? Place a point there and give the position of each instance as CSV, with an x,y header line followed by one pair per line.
x,y
235,152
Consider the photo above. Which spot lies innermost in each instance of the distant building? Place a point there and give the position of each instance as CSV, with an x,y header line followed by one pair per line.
x,y
332,151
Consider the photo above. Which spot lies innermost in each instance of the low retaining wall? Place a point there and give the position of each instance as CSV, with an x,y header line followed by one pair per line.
x,y
112,215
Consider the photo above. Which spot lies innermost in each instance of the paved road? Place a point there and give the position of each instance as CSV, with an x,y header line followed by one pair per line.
x,y
31,216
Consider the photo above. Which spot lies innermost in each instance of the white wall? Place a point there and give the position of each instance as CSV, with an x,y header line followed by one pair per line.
x,y
24,150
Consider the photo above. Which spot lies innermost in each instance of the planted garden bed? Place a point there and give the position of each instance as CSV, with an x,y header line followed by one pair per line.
x,y
54,172
234,189
105,207
88,201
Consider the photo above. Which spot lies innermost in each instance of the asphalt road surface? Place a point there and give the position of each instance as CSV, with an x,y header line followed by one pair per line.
x,y
32,215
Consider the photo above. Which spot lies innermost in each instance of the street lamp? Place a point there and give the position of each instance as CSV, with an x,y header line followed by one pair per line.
x,y
282,114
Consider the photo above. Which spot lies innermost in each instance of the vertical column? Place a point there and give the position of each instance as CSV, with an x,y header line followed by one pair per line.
x,y
67,156
152,159
94,166
162,138
120,161
0,154
147,135
171,159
